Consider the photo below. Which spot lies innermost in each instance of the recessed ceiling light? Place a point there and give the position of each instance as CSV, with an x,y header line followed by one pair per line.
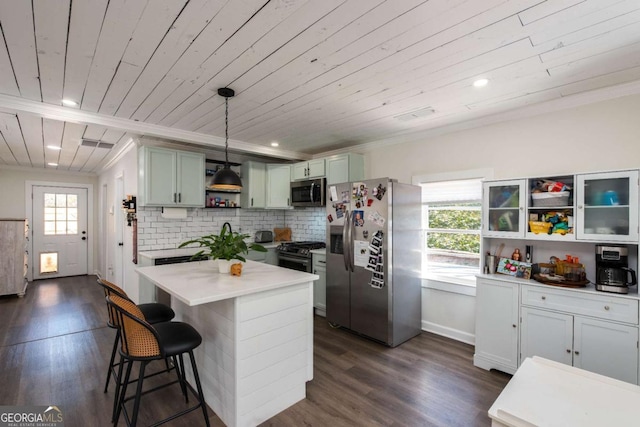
x,y
274,144
52,164
54,147
481,82
69,103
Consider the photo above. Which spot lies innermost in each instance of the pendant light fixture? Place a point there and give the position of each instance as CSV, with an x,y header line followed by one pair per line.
x,y
226,179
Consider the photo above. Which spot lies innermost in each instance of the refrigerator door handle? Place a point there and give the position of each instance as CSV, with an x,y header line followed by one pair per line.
x,y
351,246
345,241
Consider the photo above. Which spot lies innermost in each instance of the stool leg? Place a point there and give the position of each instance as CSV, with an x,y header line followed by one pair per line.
x,y
123,392
136,404
199,387
184,379
181,377
113,357
116,398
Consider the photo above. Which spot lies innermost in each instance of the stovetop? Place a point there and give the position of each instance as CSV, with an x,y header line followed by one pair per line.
x,y
300,248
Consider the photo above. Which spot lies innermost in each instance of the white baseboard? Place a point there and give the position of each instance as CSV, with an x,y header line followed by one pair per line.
x,y
454,334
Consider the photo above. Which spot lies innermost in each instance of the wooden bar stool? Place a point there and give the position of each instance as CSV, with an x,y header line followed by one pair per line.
x,y
143,342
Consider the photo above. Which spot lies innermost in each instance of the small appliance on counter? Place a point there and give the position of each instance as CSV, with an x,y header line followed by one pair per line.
x,y
612,273
263,236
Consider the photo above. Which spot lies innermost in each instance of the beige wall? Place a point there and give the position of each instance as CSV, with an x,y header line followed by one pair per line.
x,y
12,183
13,194
110,207
598,137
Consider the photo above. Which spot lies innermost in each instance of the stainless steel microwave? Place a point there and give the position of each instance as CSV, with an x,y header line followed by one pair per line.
x,y
308,193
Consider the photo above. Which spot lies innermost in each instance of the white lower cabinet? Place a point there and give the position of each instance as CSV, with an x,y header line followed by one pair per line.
x,y
319,263
590,330
598,346
546,334
496,326
272,256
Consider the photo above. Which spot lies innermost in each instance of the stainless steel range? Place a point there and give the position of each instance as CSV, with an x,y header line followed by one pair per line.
x,y
297,255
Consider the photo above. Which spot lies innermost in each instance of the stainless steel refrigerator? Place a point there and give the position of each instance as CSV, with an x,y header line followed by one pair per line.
x,y
373,259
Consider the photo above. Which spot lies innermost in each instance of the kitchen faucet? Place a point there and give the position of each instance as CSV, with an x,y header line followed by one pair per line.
x,y
228,225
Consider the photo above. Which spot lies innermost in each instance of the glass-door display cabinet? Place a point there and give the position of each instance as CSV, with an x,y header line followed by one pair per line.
x,y
607,206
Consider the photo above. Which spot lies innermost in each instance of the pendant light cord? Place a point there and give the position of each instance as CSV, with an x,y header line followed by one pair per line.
x,y
226,131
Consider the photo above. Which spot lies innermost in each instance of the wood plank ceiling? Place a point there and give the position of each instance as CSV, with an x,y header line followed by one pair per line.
x,y
312,75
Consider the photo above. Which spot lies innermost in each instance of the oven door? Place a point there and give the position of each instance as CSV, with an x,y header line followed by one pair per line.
x,y
294,262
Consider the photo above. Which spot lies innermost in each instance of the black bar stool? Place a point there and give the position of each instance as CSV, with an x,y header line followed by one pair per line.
x,y
143,342
152,312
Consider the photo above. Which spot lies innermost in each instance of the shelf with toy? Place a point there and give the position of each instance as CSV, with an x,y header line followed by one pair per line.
x,y
550,208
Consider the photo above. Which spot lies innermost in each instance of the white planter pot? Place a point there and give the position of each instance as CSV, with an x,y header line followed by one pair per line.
x,y
224,266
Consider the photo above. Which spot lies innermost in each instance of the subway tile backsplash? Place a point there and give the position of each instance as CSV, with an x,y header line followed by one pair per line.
x,y
155,232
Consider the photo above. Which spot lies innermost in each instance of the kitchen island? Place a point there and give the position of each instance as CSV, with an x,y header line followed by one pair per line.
x,y
257,330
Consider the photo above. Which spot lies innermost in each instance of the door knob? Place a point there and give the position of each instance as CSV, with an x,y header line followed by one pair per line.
x,y
577,352
568,350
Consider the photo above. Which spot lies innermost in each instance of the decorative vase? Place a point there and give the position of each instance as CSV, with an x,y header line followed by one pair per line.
x,y
224,265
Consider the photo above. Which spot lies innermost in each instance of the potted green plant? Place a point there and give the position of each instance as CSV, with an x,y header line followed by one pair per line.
x,y
224,247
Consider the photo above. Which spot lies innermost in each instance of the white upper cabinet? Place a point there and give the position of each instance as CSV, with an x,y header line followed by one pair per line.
x,y
170,177
277,189
503,209
307,170
254,176
607,206
345,168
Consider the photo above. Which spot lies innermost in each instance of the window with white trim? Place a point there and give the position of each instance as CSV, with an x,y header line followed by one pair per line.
x,y
451,221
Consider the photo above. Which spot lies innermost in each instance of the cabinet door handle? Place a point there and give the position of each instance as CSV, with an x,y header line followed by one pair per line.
x,y
322,262
568,350
514,325
577,353
606,307
579,206
179,197
543,298
521,208
315,271
252,201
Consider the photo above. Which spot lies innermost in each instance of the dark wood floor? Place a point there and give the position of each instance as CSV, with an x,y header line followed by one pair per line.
x,y
55,348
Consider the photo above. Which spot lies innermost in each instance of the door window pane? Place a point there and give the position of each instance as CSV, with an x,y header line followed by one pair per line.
x,y
60,214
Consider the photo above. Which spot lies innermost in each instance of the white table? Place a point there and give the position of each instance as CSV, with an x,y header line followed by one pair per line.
x,y
547,393
257,329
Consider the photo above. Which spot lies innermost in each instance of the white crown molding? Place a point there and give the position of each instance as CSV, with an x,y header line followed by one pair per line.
x,y
131,143
14,105
30,170
564,103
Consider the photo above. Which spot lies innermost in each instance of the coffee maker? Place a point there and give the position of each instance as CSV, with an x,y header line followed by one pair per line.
x,y
612,273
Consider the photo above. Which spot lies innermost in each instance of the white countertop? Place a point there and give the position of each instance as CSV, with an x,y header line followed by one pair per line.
x,y
171,253
547,393
196,283
589,289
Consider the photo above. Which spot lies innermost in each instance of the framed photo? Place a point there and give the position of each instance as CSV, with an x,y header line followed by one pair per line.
x,y
514,268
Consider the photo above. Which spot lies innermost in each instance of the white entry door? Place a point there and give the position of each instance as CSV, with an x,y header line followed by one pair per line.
x,y
60,239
